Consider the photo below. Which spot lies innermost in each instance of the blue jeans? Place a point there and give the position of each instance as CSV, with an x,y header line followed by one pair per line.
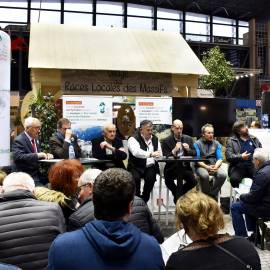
x,y
239,224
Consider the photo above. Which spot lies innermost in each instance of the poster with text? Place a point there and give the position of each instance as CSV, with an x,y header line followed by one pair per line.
x,y
5,59
87,114
157,110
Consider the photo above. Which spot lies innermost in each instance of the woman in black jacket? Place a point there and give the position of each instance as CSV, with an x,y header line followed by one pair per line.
x,y
202,218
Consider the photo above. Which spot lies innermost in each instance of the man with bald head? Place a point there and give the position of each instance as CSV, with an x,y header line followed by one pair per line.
x,y
109,147
176,145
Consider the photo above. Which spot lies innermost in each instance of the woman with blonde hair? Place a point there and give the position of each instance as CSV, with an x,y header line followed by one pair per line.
x,y
202,219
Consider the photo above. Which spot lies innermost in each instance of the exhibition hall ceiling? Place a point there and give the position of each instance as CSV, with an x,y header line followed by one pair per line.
x,y
240,9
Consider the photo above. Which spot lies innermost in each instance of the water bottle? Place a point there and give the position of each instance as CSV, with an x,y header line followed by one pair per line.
x,y
71,152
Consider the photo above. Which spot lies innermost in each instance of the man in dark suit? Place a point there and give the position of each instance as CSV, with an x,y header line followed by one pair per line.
x,y
26,152
177,145
109,147
63,143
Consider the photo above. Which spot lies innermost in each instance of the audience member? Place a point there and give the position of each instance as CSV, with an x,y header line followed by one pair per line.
x,y
256,203
239,150
28,226
143,148
85,212
108,242
202,219
63,178
109,147
255,124
26,152
176,145
210,149
63,143
140,214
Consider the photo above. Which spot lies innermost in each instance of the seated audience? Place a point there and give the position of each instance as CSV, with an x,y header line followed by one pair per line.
x,y
28,226
63,177
202,219
63,143
26,152
176,145
256,203
2,177
140,214
143,148
108,242
109,147
239,150
207,147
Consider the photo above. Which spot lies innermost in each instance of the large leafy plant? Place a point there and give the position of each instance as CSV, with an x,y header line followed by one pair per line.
x,y
43,108
221,74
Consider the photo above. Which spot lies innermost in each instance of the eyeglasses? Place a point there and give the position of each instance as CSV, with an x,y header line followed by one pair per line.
x,y
81,186
38,127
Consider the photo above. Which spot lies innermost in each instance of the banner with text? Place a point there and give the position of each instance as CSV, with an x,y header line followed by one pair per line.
x,y
87,114
158,110
116,83
5,59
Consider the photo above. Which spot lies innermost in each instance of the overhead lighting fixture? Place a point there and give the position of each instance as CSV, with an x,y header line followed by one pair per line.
x,y
237,77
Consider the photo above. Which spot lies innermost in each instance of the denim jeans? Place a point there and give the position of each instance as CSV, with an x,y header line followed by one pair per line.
x,y
240,226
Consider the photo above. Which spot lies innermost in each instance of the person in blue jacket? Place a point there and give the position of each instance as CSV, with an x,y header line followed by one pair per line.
x,y
108,242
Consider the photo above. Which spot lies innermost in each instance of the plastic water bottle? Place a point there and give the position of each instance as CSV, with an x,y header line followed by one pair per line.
x,y
71,152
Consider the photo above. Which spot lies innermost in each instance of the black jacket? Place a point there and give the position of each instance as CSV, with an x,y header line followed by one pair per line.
x,y
60,148
25,160
167,145
233,150
28,227
139,164
140,216
117,157
211,258
258,199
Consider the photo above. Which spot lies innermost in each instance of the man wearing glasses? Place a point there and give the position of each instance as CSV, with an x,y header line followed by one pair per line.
x,y
26,152
63,143
176,145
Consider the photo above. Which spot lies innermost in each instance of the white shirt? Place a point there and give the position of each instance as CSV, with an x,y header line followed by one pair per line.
x,y
136,151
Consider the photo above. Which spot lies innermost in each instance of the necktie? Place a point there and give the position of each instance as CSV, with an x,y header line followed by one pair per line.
x,y
34,146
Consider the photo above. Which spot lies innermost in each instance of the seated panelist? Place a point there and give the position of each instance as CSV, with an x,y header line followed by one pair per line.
x,y
64,144
109,147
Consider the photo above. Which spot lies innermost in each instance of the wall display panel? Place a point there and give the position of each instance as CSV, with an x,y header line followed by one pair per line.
x,y
195,112
88,114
